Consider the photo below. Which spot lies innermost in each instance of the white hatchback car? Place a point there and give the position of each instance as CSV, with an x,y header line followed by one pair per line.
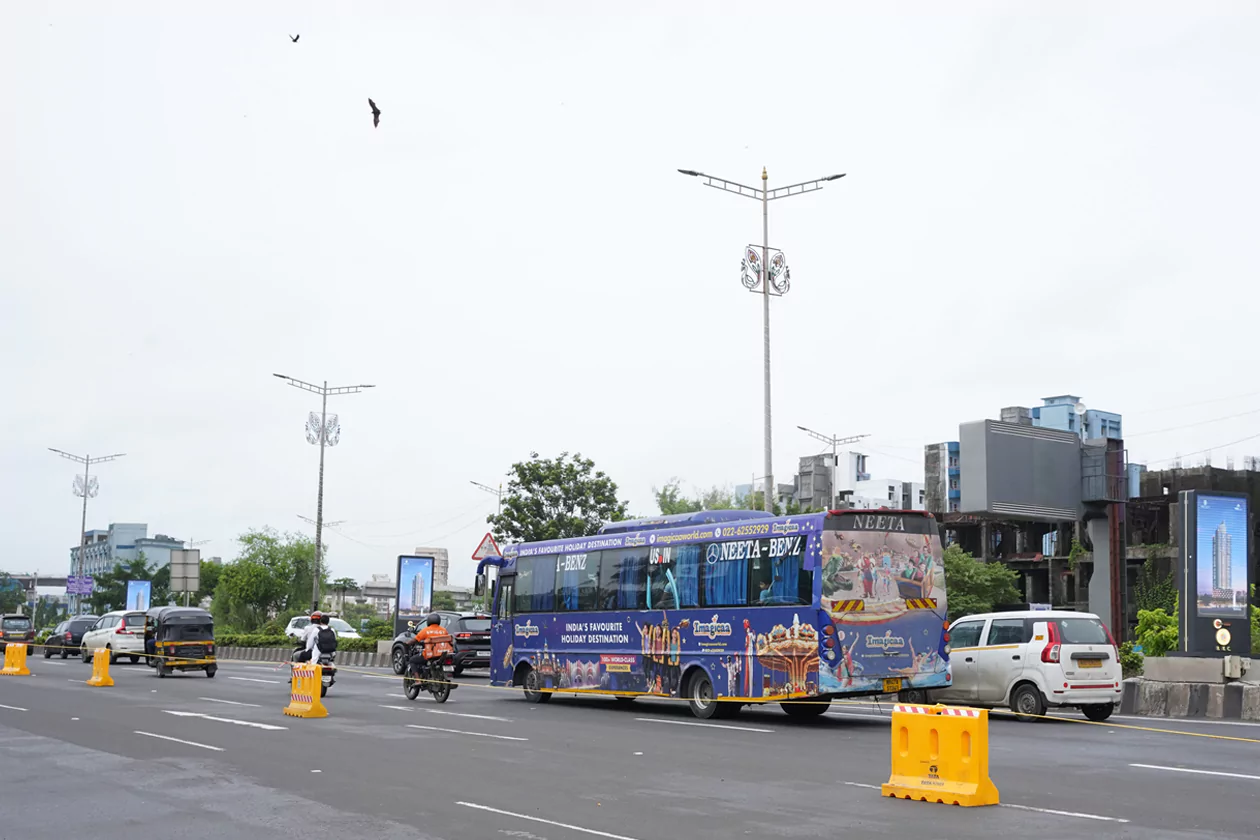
x,y
120,632
1031,661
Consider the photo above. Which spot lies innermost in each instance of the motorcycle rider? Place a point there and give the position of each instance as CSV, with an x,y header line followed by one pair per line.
x,y
433,643
310,635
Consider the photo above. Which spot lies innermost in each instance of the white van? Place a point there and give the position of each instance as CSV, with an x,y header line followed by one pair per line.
x,y
1029,661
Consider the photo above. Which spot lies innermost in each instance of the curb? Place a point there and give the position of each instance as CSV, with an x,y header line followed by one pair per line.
x,y
1207,701
349,659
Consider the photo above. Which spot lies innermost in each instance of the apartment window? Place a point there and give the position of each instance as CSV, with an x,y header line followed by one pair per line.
x,y
953,484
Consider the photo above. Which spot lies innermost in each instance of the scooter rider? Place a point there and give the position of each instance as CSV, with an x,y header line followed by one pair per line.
x,y
433,642
309,636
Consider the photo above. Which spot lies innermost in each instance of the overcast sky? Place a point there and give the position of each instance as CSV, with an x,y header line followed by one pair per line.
x,y
1034,204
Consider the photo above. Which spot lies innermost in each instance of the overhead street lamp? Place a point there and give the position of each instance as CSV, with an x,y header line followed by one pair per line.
x,y
325,431
496,492
86,487
761,273
834,440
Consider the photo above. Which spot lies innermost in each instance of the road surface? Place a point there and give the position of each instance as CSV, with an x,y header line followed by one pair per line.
x,y
192,757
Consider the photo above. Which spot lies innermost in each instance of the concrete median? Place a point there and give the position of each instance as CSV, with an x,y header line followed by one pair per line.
x,y
1227,701
346,659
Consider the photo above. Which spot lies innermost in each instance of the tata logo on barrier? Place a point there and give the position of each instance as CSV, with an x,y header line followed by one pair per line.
x,y
885,642
785,528
527,629
878,522
711,629
634,542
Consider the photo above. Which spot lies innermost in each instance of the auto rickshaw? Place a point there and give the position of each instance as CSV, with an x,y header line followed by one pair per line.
x,y
180,639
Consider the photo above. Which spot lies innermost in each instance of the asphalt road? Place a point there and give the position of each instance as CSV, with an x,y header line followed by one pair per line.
x,y
189,757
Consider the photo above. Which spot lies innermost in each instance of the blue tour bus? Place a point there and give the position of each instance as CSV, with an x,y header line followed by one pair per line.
x,y
727,608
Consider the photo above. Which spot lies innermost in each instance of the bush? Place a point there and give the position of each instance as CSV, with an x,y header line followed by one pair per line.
x,y
1156,632
272,628
356,645
1131,661
379,629
1255,623
252,640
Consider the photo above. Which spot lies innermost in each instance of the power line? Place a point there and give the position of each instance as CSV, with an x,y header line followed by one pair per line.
x,y
1209,449
1199,423
1193,404
463,512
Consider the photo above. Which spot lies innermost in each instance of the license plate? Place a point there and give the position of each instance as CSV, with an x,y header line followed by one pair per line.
x,y
892,686
1091,663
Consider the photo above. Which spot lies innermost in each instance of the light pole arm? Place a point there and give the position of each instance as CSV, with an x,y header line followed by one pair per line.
x,y
801,188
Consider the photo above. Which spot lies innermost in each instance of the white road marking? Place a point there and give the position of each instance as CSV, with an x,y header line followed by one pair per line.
x,y
545,822
14,708
378,677
251,679
1197,772
462,732
268,726
229,702
50,662
857,715
467,715
698,723
178,740
1023,807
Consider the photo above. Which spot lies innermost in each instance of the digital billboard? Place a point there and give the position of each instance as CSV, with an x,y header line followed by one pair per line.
x,y
138,594
415,590
1220,569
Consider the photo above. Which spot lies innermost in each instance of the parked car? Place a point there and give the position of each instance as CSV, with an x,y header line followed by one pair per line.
x,y
1033,661
471,634
120,632
67,638
299,623
16,628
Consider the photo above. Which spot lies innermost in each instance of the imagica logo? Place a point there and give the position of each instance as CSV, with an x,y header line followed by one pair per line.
x,y
527,629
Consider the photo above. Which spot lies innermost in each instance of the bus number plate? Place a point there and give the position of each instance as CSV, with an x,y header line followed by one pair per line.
x,y
892,686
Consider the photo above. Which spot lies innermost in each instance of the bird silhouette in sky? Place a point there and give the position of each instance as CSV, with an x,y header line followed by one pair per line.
x,y
294,38
376,113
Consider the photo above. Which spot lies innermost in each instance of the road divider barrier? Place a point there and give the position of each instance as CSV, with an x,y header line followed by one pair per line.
x,y
15,661
304,692
940,754
100,669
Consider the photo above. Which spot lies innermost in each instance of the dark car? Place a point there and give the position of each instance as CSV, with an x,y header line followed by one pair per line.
x,y
68,637
16,628
471,633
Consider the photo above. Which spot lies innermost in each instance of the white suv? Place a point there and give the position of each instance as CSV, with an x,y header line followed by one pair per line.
x,y
1033,660
120,632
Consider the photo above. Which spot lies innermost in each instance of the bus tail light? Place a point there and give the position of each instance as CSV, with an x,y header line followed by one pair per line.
x,y
829,642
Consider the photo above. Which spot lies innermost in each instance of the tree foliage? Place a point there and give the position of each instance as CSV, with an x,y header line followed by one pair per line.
x,y
550,499
12,595
1154,591
271,577
975,587
671,499
1156,631
443,601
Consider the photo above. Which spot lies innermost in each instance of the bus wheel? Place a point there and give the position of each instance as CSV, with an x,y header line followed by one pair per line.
x,y
701,698
533,688
625,699
805,710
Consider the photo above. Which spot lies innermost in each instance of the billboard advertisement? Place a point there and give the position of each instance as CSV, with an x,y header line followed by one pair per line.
x,y
415,590
1214,577
138,594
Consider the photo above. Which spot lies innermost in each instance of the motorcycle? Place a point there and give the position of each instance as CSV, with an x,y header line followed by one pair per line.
x,y
328,666
432,679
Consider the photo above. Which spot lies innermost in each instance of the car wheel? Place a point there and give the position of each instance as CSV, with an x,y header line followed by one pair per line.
x,y
399,659
701,697
1027,703
457,670
534,692
1098,713
135,660
87,655
64,653
48,652
113,659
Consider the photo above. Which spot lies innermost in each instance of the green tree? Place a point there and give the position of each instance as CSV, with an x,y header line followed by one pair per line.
x,y
47,612
670,499
1156,631
975,587
1255,623
12,595
271,577
1154,591
550,499
443,601
355,613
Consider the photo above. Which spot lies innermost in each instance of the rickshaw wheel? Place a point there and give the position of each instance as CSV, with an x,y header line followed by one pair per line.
x,y
211,670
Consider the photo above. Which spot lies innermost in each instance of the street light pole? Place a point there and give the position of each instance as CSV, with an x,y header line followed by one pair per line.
x,y
87,487
834,440
325,432
497,493
765,273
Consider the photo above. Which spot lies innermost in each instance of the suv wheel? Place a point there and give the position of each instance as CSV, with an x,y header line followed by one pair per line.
x,y
399,660
1098,713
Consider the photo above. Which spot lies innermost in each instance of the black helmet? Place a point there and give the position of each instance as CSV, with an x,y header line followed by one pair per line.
x,y
433,619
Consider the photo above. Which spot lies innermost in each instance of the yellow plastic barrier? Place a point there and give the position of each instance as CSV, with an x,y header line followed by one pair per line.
x,y
100,669
941,755
304,700
15,661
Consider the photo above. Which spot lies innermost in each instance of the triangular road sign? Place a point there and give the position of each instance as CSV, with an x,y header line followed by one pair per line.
x,y
487,548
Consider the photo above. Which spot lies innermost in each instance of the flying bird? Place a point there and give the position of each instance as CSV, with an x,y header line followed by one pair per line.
x,y
376,113
294,38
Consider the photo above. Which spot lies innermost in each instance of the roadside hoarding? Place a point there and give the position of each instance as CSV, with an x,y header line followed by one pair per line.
x,y
415,590
1214,575
139,593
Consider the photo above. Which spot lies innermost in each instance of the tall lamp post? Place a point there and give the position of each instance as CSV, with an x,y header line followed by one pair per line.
x,y
763,274
834,440
493,491
86,487
324,431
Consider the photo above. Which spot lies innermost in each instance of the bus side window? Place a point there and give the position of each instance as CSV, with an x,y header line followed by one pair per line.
x,y
623,579
577,581
780,580
535,584
506,593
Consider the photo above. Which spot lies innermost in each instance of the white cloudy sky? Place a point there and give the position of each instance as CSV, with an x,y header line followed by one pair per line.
x,y
1035,203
